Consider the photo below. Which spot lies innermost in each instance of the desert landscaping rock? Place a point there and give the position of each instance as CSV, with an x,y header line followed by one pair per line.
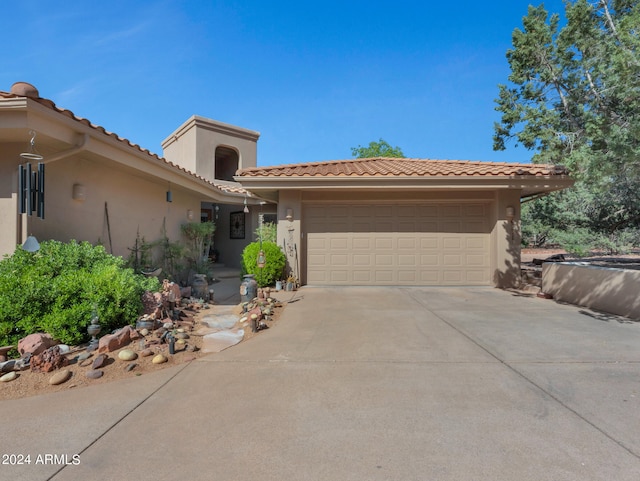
x,y
84,356
9,376
48,360
159,359
113,342
60,377
182,335
94,374
144,332
35,343
130,367
99,361
127,355
146,353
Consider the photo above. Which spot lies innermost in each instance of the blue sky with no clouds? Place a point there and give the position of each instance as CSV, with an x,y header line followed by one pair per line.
x,y
314,78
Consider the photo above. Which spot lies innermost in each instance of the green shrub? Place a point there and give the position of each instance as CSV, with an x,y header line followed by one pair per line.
x,y
578,241
55,290
274,265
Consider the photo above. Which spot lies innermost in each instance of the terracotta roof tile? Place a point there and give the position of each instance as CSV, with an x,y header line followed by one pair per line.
x,y
227,188
394,167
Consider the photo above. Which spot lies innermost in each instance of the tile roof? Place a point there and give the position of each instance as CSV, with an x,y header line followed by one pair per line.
x,y
224,187
395,167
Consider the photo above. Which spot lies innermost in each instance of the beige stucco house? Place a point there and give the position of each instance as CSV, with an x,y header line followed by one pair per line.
x,y
375,221
387,221
103,188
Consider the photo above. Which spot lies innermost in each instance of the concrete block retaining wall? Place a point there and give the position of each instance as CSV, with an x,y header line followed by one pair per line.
x,y
612,290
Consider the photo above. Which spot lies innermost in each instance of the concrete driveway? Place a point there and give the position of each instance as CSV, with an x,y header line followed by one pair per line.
x,y
364,384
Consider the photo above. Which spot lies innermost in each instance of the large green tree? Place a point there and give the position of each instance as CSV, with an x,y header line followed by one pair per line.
x,y
573,98
376,149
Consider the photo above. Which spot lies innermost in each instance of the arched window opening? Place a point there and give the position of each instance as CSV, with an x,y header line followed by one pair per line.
x,y
226,163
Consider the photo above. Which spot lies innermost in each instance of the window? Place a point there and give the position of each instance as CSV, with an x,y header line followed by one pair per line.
x,y
226,163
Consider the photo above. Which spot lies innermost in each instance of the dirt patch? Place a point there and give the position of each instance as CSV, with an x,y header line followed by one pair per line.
x,y
30,383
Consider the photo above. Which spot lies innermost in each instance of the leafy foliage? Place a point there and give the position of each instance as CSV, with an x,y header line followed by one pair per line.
x,y
268,232
55,290
200,238
274,265
376,149
573,98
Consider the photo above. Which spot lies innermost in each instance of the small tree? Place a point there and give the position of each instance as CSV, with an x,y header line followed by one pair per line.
x,y
200,237
376,149
267,232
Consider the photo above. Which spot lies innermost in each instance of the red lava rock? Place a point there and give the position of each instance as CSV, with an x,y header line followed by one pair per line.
x,y
49,360
113,342
35,343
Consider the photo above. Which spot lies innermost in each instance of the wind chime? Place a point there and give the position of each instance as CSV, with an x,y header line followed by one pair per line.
x,y
262,260
31,182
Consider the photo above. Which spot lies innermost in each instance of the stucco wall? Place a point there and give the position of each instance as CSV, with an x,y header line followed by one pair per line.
x,y
605,289
230,250
9,221
133,204
505,237
194,143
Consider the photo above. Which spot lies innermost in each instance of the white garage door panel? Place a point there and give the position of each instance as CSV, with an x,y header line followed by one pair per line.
x,y
425,244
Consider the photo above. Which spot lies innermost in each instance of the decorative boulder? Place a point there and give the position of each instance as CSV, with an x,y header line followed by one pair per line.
x,y
35,343
113,342
49,360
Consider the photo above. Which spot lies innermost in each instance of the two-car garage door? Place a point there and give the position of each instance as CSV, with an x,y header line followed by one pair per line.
x,y
398,244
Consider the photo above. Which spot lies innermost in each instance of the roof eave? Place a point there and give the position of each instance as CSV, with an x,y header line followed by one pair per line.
x,y
538,183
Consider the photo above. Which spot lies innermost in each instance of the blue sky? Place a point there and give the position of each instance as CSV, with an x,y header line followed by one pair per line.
x,y
314,78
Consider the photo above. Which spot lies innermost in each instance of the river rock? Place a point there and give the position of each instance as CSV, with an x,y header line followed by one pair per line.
x,y
182,335
127,355
99,361
130,367
159,359
84,356
146,353
94,374
60,377
144,332
10,376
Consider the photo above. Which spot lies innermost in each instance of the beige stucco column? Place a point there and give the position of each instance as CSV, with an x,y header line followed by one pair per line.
x,y
289,229
505,238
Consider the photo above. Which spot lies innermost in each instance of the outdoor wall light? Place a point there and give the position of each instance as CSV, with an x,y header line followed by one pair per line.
x,y
289,215
246,208
78,192
189,214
